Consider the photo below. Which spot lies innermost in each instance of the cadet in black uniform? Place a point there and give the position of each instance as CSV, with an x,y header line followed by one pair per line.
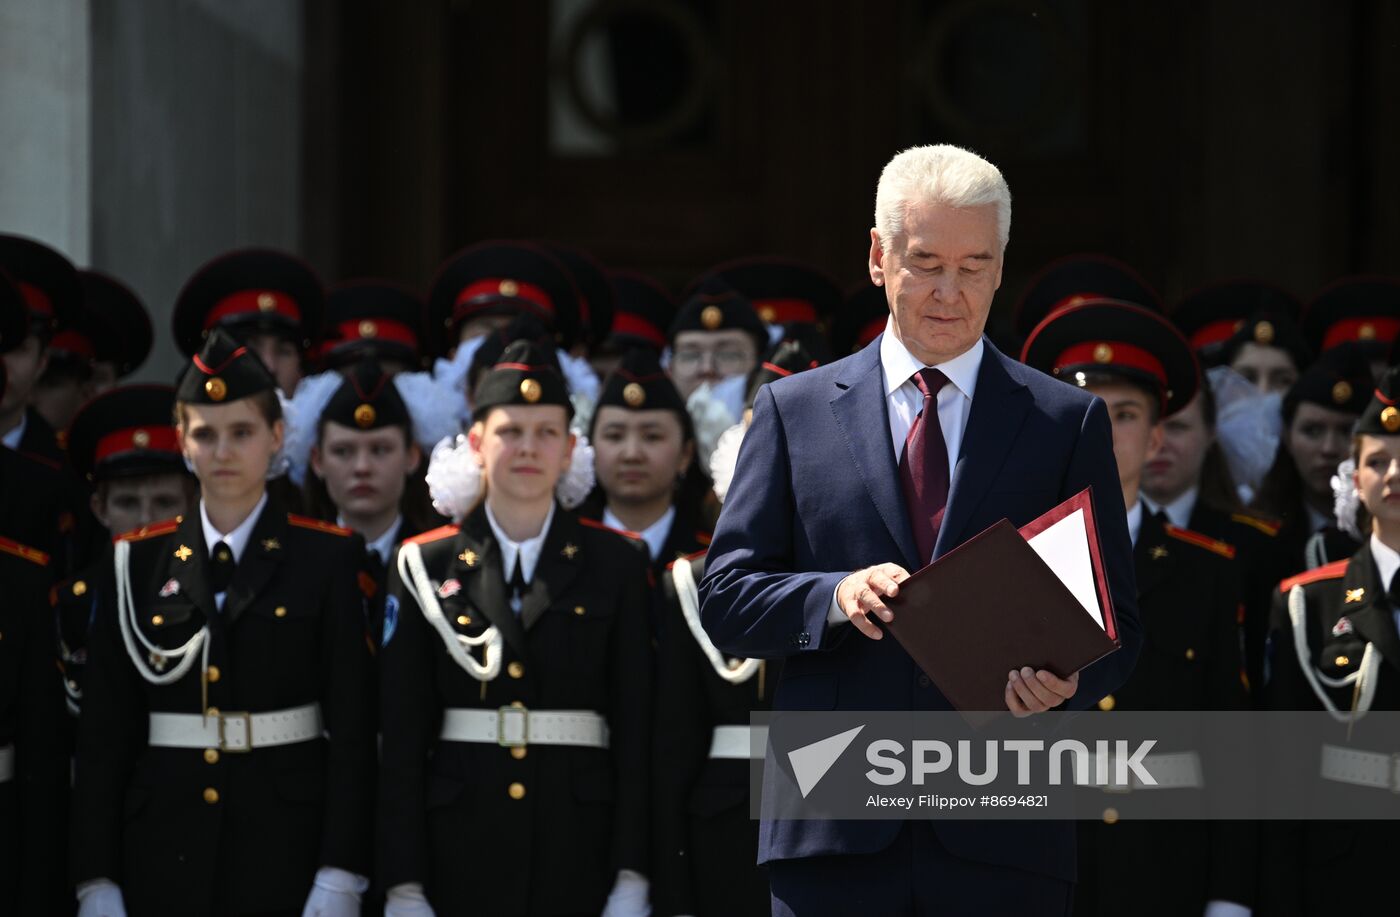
x,y
373,320
706,843
641,312
515,680
124,444
649,478
1249,326
1188,596
32,766
1334,647
226,746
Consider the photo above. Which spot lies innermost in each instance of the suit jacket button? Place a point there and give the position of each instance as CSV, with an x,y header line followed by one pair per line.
x,y
515,670
214,673
211,756
1107,703
211,795
517,752
516,791
280,611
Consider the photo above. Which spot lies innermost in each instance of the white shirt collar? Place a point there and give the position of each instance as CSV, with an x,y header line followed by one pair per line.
x,y
900,364
16,434
1179,510
654,535
384,544
237,540
528,550
1387,561
1135,521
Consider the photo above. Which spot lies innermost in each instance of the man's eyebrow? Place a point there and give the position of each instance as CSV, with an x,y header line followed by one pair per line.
x,y
976,256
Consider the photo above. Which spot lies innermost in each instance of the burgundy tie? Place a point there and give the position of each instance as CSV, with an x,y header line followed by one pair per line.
x,y
923,466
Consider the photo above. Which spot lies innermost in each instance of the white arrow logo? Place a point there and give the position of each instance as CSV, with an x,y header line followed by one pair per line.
x,y
811,762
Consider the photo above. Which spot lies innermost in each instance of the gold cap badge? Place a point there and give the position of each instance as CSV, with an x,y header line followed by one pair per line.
x,y
509,288
711,317
216,388
365,416
266,302
768,314
1264,332
1341,392
141,439
368,329
636,396
531,391
1366,332
1103,354
1390,419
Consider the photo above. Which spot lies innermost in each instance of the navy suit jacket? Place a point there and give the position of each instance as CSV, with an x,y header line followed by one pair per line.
x,y
816,495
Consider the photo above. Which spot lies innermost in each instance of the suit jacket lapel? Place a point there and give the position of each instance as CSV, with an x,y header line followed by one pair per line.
x,y
260,561
484,582
560,560
1370,614
863,416
998,408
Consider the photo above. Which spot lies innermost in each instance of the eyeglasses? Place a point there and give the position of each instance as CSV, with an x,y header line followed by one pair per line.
x,y
725,359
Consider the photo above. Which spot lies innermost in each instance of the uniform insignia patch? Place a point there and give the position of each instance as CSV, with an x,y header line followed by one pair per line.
x,y
271,544
449,589
468,557
391,619
570,550
1354,595
171,587
1157,552
1342,627
184,553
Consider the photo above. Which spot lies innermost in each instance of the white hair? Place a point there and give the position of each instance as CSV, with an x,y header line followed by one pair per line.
x,y
941,174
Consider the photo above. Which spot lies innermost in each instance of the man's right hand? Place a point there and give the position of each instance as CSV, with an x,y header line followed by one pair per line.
x,y
861,596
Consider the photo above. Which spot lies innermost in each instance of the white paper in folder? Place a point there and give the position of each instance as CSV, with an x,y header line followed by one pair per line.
x,y
1064,547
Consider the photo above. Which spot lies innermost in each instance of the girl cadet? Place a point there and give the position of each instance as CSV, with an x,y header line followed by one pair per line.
x,y
515,676
183,806
1333,648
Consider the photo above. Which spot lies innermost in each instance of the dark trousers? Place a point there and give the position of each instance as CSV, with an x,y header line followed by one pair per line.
x,y
914,875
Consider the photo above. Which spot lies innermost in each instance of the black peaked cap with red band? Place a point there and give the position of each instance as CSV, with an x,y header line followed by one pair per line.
x,y
375,320
1098,337
787,358
224,370
125,432
1340,380
47,281
1076,278
595,291
642,312
1220,318
125,334
861,320
526,374
1363,310
1382,415
801,298
250,291
640,384
503,278
367,400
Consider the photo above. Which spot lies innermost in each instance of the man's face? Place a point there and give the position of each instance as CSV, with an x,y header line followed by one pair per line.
x,y
1377,478
23,367
230,446
129,503
365,470
1318,439
523,450
104,376
280,356
1269,368
939,276
58,399
640,454
1135,431
698,357
1175,466
474,328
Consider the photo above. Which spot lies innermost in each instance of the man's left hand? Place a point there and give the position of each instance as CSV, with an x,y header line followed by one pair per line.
x,y
1035,691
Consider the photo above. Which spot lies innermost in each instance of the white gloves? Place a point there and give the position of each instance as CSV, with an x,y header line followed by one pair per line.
x,y
335,893
407,900
629,896
100,898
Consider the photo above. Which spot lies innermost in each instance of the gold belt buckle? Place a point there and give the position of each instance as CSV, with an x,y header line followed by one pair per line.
x,y
247,732
501,739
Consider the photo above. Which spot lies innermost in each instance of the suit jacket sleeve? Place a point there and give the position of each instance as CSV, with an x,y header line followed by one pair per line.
x,y
347,701
752,602
1092,464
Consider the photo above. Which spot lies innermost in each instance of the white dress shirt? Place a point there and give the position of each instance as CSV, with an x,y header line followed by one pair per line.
x,y
904,402
16,433
528,550
1179,510
1135,521
237,540
654,535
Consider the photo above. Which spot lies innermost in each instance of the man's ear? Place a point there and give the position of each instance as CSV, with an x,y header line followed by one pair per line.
x,y
877,259
316,461
474,440
415,457
1156,438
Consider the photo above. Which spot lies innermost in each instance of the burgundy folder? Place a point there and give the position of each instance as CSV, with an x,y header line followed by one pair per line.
x,y
992,605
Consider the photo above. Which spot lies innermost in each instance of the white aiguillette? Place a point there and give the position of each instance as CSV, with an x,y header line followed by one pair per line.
x,y
1009,598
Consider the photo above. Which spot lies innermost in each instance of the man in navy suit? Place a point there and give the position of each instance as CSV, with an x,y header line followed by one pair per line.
x,y
1000,441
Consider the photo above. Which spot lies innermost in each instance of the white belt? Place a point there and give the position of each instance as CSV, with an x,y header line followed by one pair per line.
x,y
516,727
236,731
1361,768
742,742
1172,771
7,764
